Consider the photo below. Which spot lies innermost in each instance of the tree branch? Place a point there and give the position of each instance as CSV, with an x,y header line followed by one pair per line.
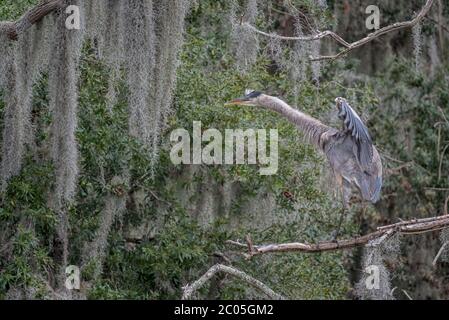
x,y
435,260
191,288
349,46
15,28
438,24
414,226
317,36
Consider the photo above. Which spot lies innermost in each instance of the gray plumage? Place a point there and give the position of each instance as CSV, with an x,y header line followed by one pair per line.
x,y
357,129
350,151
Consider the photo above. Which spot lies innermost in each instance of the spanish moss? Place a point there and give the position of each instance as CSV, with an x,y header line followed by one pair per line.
x,y
63,102
19,78
435,61
244,40
316,65
63,94
417,45
444,240
170,35
298,62
114,205
375,283
140,55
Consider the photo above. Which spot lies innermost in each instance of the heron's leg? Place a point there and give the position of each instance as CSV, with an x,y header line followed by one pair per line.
x,y
343,207
340,221
361,216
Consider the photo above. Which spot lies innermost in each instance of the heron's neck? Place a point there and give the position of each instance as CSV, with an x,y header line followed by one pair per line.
x,y
311,127
297,117
275,104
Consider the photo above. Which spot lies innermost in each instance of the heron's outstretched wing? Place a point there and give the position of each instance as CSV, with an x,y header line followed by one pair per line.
x,y
355,126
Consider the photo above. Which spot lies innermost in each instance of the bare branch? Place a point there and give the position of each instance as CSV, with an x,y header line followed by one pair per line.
x,y
415,226
445,205
317,36
438,24
393,27
191,288
15,28
413,221
405,292
350,46
398,169
434,262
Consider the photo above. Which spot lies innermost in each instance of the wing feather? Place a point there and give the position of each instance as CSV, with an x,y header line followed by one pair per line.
x,y
355,126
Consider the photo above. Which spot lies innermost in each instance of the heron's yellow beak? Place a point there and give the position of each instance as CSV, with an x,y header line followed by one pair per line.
x,y
235,102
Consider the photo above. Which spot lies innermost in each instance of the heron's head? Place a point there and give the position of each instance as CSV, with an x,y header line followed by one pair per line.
x,y
251,98
339,101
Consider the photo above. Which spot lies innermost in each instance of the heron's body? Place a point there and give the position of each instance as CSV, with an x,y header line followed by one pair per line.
x,y
339,151
350,151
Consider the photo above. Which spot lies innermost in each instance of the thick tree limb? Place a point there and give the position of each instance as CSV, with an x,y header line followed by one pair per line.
x,y
190,289
414,226
15,28
350,46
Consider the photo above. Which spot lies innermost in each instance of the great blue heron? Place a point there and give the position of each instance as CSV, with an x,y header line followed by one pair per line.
x,y
350,151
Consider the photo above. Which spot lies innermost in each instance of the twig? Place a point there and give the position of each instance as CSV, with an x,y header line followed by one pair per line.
x,y
434,262
350,46
445,205
281,12
317,36
157,198
383,154
393,27
190,289
415,226
413,221
405,292
249,243
443,114
221,255
392,171
438,24
440,166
